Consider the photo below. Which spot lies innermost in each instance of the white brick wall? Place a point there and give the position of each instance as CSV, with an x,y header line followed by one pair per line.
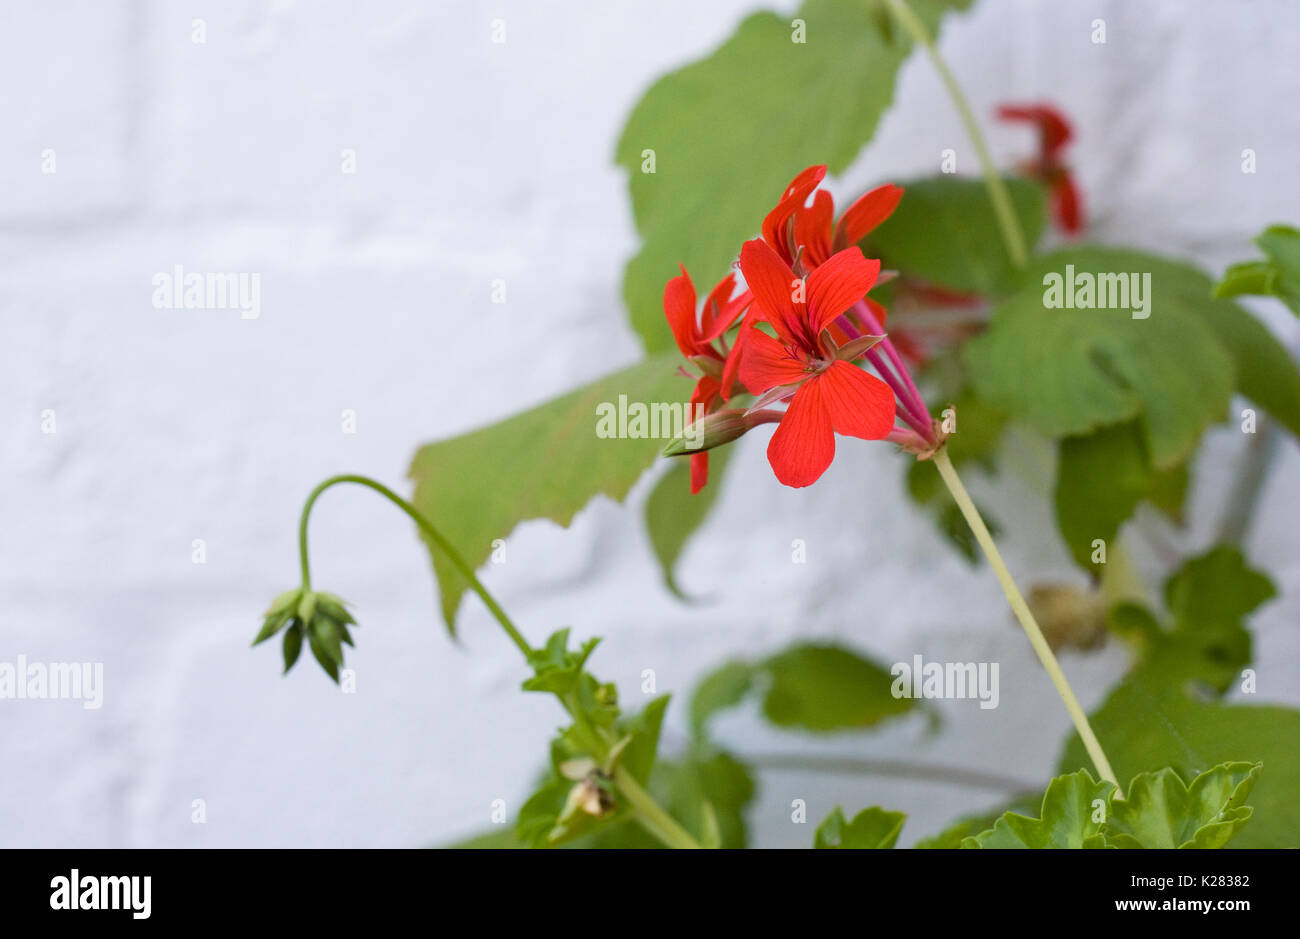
x,y
479,161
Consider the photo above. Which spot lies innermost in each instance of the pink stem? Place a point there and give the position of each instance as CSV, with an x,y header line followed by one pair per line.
x,y
918,421
869,319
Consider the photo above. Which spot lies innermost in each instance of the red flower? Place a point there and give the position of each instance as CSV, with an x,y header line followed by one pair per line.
x,y
1053,134
695,337
830,395
794,224
804,237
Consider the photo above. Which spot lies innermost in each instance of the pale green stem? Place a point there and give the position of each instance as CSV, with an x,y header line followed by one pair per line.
x,y
1023,614
651,817
998,194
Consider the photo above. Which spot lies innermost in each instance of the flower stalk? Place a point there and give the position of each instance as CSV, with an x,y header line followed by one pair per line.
x,y
1023,614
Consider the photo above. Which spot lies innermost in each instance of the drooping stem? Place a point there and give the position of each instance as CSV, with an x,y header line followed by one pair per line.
x,y
1023,614
647,812
430,532
998,194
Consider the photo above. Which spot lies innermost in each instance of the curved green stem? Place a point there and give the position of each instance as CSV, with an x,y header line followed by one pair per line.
x,y
647,812
429,531
1023,614
998,194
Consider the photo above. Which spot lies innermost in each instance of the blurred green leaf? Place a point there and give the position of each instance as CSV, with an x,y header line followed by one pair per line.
x,y
870,828
946,233
1278,276
1072,371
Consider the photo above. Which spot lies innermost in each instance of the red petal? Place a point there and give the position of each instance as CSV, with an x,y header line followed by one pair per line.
x,y
858,404
768,363
1065,199
837,285
705,393
770,279
699,471
731,368
714,303
679,309
796,194
1053,129
812,229
727,313
863,216
804,443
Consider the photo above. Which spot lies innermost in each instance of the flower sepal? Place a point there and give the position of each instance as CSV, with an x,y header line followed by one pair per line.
x,y
320,618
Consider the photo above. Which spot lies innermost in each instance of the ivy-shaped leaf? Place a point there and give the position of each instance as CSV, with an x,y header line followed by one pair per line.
x,y
871,828
1161,811
475,489
673,513
1074,809
1071,371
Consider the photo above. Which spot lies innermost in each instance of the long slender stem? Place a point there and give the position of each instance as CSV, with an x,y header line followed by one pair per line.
x,y
900,769
1023,614
432,533
653,818
998,194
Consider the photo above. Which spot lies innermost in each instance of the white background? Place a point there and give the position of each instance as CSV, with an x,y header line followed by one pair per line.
x,y
475,162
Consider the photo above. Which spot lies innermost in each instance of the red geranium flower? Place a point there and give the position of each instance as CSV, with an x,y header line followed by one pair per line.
x,y
804,237
1053,134
695,337
830,395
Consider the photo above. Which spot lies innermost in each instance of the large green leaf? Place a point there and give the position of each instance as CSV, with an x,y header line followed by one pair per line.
x,y
821,688
730,131
1074,809
871,828
946,233
547,462
1159,810
1072,371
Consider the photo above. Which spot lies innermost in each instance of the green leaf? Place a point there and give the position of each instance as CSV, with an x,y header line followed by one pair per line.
x,y
946,233
870,828
639,756
547,462
730,131
1072,371
723,688
1150,720
970,825
672,514
1074,809
556,669
827,688
1100,479
1207,642
1161,811
821,688
1279,276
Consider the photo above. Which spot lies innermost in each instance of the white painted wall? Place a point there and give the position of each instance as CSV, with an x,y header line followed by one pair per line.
x,y
479,161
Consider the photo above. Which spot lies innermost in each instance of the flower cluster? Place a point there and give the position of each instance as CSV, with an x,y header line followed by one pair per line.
x,y
806,327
